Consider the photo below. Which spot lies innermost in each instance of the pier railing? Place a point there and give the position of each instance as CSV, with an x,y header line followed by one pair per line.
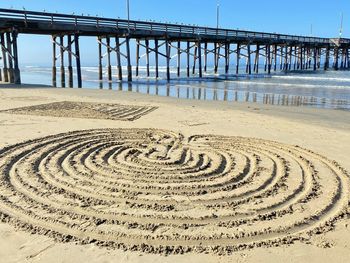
x,y
132,25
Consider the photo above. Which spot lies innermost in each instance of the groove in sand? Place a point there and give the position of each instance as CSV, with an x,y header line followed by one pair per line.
x,y
86,110
160,192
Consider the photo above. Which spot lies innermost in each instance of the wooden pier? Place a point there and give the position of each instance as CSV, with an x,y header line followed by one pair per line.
x,y
166,41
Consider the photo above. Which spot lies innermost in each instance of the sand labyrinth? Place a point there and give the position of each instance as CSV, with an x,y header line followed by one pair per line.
x,y
159,192
86,110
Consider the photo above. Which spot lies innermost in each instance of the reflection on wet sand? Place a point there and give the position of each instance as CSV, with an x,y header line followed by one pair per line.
x,y
218,94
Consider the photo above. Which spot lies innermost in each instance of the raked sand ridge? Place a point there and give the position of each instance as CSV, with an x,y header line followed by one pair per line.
x,y
159,192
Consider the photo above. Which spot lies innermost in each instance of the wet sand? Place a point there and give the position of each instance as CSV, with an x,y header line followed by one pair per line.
x,y
156,179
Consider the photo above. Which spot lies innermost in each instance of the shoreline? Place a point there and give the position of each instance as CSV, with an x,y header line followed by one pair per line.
x,y
304,90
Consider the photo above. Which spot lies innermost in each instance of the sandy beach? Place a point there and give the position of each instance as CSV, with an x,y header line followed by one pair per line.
x,y
111,176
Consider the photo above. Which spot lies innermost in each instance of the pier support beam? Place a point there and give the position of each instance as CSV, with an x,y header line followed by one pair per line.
x,y
156,57
315,58
17,73
326,63
70,63
256,62
249,64
343,59
336,59
109,65
127,42
282,57
227,57
285,63
63,74
147,57
266,58
296,58
178,58
290,58
195,59
4,57
137,57
238,57
275,50
199,45
188,59
215,58
319,57
54,62
205,56
308,57
78,62
167,49
9,57
301,64
100,56
119,63
269,59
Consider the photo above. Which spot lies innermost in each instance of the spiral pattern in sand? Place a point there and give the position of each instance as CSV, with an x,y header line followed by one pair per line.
x,y
160,192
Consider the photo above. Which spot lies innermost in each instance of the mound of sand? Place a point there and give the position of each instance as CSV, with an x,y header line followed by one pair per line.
x,y
160,192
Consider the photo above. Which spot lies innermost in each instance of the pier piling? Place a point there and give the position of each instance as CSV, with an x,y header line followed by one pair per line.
x,y
156,57
188,59
167,49
238,57
205,56
200,59
54,62
137,57
100,56
178,58
256,62
63,75
9,57
227,57
249,66
70,63
127,42
270,59
147,57
119,63
109,65
78,62
194,58
336,59
16,73
4,57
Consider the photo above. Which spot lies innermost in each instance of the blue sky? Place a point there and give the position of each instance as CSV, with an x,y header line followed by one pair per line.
x,y
290,17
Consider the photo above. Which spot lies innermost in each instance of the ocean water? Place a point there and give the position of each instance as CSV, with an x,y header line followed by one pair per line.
x,y
322,89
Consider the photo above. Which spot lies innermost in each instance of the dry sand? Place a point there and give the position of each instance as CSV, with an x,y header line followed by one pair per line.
x,y
125,177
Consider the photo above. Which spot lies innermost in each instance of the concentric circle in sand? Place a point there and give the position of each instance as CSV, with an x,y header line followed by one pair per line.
x,y
160,192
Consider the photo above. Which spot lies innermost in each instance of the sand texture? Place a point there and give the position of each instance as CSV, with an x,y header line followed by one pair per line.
x,y
189,182
85,110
